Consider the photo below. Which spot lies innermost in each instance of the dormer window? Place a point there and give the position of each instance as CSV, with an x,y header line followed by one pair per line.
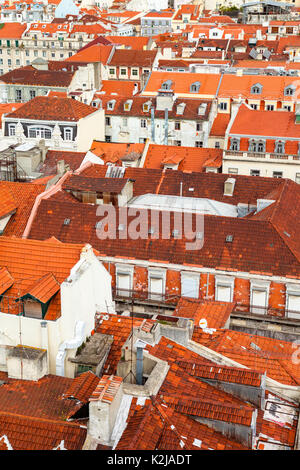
x,y
127,105
279,146
289,90
194,88
166,85
256,89
235,144
146,107
111,104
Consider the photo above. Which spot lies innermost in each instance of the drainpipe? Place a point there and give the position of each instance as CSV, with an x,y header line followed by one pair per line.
x,y
45,341
73,343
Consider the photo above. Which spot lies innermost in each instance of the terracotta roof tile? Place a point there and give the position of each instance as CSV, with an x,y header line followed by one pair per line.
x,y
49,109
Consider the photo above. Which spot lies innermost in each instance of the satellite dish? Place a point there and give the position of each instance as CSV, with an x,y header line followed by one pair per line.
x,y
203,323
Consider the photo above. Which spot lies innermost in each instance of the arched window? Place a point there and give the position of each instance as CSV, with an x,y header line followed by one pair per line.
x,y
235,144
261,147
252,146
279,147
289,90
68,133
256,89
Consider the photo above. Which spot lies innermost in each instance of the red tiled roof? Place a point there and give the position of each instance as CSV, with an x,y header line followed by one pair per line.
x,y
44,288
52,109
265,123
220,124
106,389
188,158
81,183
119,327
256,352
12,30
23,195
29,75
82,387
215,313
28,433
6,280
133,58
94,53
8,203
49,166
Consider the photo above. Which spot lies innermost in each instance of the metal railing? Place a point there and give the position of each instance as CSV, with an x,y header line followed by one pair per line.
x,y
144,296
246,154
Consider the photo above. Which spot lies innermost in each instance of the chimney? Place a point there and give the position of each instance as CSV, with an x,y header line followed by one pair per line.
x,y
26,363
60,165
229,187
103,408
139,362
135,89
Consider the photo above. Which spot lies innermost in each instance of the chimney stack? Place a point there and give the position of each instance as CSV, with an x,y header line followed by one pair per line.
x,y
103,408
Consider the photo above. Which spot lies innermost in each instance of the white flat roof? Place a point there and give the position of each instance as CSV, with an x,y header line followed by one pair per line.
x,y
184,204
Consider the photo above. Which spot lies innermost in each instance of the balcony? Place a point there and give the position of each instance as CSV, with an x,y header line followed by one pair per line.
x,y
237,155
144,297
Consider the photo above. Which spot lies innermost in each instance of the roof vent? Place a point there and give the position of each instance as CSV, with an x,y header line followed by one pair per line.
x,y
229,187
67,221
229,238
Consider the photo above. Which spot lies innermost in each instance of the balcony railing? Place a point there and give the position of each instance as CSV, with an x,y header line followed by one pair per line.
x,y
269,312
144,296
265,155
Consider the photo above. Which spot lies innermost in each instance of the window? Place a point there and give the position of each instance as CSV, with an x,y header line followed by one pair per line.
x,y
190,285
194,88
289,90
269,107
177,125
124,280
235,144
107,138
40,132
287,107
18,95
156,284
277,174
199,126
256,89
199,143
223,106
297,178
177,143
107,121
253,106
134,72
279,147
125,122
123,71
11,129
224,288
233,171
259,294
254,172
217,145
32,94
293,301
8,62
143,123
27,53
112,71
68,133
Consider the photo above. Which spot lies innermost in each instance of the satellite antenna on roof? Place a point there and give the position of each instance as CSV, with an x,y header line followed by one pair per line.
x,y
203,323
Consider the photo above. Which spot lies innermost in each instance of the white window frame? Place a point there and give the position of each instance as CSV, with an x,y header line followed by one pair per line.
x,y
12,130
193,277
127,270
292,289
68,130
41,132
156,274
263,286
224,281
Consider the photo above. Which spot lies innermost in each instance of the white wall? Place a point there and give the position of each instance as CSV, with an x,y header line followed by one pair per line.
x,y
86,291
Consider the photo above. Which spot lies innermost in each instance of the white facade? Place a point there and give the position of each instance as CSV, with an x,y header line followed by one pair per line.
x,y
86,291
136,129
